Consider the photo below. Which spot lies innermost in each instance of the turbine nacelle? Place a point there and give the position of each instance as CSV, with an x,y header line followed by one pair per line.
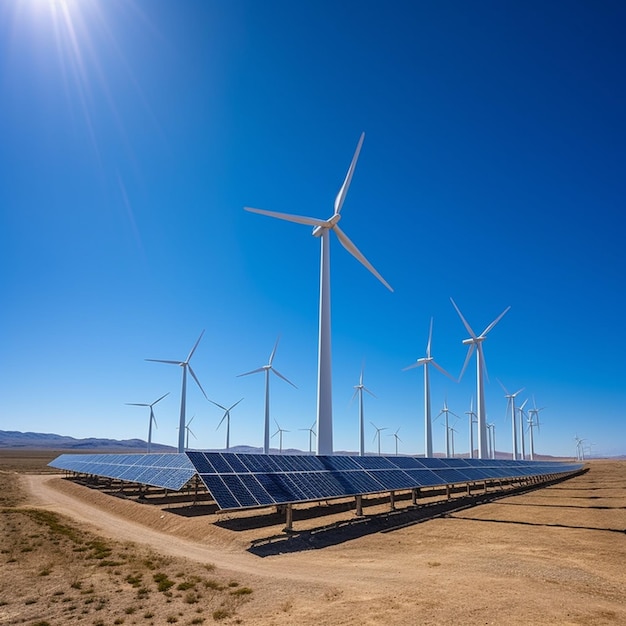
x,y
318,231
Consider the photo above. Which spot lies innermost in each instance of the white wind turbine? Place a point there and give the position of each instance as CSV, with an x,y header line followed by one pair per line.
x,y
359,389
533,422
452,431
321,229
312,433
473,419
491,431
152,418
227,418
395,435
267,369
520,410
445,411
377,435
188,431
280,432
426,361
475,343
510,406
183,395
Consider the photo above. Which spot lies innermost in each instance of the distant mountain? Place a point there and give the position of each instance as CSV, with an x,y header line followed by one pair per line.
x,y
50,441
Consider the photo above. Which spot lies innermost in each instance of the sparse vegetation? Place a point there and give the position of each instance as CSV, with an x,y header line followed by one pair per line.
x,y
43,547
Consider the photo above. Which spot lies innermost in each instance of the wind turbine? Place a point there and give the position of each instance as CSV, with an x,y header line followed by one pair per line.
x,y
267,369
473,419
520,410
321,229
152,418
491,430
397,439
452,431
475,344
533,421
359,389
311,432
183,395
377,435
187,432
426,361
580,450
227,418
280,432
445,411
510,404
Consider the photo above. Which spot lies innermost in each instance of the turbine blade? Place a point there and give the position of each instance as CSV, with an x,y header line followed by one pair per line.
x,y
354,395
136,404
195,345
467,326
470,351
354,251
164,361
222,420
482,360
442,370
298,219
217,405
281,376
368,391
506,393
343,192
256,371
495,322
274,351
412,366
161,398
519,391
197,381
430,336
234,405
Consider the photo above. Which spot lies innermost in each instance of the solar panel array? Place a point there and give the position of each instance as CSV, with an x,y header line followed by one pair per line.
x,y
238,481
170,471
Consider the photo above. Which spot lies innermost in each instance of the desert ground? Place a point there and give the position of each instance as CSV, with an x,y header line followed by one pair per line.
x,y
74,554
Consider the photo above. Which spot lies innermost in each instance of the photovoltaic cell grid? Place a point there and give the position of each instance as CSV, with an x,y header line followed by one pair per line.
x,y
238,481
169,471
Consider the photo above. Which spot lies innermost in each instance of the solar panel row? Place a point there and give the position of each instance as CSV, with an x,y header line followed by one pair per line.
x,y
169,471
250,480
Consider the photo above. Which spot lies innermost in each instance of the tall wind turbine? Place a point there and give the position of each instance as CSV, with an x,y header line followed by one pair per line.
x,y
321,229
152,418
533,422
183,395
280,432
426,361
359,389
520,410
187,432
475,343
510,407
312,433
377,435
395,435
491,431
267,369
473,419
227,418
445,411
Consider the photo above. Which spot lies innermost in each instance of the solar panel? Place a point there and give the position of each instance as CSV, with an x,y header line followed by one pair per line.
x,y
238,481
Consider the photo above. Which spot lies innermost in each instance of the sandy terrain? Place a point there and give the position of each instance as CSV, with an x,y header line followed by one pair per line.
x,y
552,555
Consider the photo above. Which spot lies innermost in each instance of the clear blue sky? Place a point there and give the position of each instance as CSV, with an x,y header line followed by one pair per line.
x,y
133,133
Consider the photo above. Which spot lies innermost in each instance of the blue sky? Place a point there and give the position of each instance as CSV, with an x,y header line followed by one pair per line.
x,y
134,133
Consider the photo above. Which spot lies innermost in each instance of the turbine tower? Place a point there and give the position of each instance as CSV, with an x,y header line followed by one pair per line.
x,y
510,406
183,394
475,344
520,410
445,411
359,389
321,229
267,369
395,435
227,418
189,431
280,432
533,421
426,361
312,433
152,418
491,431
